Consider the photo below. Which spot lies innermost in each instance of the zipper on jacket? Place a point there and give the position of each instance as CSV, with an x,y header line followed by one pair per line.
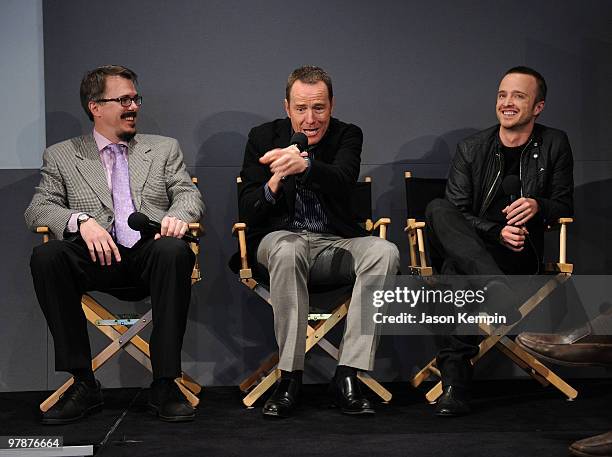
x,y
521,164
487,202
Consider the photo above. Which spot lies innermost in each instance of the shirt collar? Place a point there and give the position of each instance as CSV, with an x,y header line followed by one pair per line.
x,y
102,141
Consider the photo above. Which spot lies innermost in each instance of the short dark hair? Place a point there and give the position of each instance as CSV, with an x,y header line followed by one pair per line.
x,y
541,95
93,83
309,74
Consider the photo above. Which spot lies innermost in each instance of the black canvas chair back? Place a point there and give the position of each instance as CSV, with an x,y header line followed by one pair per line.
x,y
419,192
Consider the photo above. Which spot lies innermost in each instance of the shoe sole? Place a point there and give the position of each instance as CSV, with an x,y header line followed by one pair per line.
x,y
452,414
539,356
365,412
155,412
578,453
88,412
275,416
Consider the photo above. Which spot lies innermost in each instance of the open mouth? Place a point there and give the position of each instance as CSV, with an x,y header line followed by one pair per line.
x,y
130,117
310,132
509,113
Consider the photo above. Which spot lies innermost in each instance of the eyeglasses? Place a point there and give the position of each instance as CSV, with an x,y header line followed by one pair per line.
x,y
125,101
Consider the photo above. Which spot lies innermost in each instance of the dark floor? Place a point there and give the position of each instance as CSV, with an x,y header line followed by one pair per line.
x,y
511,418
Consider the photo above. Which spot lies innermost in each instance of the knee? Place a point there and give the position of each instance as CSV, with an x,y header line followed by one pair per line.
x,y
47,254
288,251
386,252
435,208
173,249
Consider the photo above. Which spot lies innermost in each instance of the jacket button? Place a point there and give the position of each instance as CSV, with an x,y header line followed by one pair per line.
x,y
535,144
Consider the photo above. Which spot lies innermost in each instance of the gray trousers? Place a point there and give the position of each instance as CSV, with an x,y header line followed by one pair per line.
x,y
296,259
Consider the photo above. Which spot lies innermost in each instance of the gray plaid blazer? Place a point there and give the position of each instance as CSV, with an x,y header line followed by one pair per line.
x,y
73,180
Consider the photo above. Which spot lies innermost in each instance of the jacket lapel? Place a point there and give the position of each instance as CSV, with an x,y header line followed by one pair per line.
x,y
139,165
90,166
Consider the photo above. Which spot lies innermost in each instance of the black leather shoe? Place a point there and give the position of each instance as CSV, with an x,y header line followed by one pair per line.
x,y
283,400
168,403
348,396
77,402
595,446
453,402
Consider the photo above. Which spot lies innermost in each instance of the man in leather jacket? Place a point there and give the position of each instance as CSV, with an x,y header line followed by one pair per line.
x,y
480,230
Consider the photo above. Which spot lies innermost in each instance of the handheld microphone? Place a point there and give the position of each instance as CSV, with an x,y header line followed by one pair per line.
x,y
300,140
512,187
141,223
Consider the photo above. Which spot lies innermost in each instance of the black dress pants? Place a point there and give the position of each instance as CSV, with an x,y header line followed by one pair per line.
x,y
456,249
63,270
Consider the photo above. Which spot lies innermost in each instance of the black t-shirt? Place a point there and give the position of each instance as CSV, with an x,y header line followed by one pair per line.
x,y
512,163
524,262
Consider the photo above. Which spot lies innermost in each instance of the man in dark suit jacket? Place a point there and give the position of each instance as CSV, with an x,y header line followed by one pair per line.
x,y
88,188
302,232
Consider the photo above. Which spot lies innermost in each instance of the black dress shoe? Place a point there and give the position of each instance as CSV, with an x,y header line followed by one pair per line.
x,y
168,403
595,446
453,402
348,396
283,400
77,402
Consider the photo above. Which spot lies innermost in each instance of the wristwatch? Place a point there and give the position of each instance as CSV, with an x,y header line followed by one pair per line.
x,y
83,217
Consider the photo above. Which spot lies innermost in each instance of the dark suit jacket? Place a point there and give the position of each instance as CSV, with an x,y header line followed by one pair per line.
x,y
333,174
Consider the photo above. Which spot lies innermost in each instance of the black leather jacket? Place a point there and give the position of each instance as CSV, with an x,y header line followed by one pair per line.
x,y
546,172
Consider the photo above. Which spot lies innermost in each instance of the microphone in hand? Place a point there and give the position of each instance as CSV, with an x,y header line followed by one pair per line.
x,y
141,223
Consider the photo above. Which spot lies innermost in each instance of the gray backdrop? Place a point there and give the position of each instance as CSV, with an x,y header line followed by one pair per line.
x,y
416,76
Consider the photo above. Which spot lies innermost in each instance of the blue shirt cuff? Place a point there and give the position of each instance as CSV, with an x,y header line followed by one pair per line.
x,y
270,196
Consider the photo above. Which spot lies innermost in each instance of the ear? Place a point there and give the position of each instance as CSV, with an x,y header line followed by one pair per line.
x,y
287,108
94,108
538,108
333,103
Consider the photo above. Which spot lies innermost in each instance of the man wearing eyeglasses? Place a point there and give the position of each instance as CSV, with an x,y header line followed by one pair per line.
x,y
89,186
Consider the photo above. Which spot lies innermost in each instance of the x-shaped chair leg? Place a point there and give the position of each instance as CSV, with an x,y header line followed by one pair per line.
x,y
128,339
498,339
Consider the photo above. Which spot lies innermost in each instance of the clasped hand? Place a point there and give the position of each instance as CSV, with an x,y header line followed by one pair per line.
x,y
102,247
518,213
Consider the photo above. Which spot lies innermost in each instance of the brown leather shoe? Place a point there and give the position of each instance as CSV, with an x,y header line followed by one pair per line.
x,y
595,446
576,348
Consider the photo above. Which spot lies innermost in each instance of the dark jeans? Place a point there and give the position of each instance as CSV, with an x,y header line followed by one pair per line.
x,y
63,270
456,249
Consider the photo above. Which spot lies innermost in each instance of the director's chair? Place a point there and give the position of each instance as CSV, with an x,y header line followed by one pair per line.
x,y
419,192
319,323
123,330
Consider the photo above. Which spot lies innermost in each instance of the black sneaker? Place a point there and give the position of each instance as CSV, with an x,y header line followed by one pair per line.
x,y
77,402
167,402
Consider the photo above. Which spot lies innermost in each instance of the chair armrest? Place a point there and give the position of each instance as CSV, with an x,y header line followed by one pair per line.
x,y
414,226
239,229
44,231
381,225
416,243
561,266
196,228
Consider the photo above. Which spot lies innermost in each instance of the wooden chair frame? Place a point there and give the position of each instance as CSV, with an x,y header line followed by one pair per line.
x,y
497,337
127,337
319,325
